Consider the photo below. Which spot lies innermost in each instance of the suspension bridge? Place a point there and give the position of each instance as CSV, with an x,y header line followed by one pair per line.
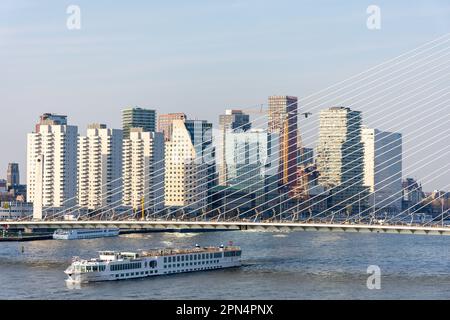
x,y
412,105
267,225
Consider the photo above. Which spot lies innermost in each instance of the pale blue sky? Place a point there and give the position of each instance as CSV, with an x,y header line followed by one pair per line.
x,y
198,57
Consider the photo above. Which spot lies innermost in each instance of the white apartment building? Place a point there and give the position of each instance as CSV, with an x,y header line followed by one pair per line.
x,y
383,168
143,170
100,167
57,143
186,179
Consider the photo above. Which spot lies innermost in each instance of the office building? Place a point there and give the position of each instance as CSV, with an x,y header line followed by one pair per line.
x,y
252,158
165,123
188,164
340,157
383,169
232,120
13,175
138,118
413,194
282,120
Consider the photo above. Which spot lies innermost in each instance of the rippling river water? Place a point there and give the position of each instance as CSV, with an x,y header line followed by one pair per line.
x,y
298,265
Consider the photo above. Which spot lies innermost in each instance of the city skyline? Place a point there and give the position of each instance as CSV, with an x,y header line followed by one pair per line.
x,y
83,131
50,69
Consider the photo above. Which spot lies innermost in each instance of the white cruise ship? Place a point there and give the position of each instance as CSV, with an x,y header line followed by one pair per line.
x,y
113,265
77,234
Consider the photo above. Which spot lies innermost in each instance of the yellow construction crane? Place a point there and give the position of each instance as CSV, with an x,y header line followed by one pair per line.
x,y
143,208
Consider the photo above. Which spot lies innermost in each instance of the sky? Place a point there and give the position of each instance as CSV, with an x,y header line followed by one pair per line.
x,y
202,57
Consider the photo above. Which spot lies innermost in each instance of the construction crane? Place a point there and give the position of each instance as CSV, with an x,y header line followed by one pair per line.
x,y
262,111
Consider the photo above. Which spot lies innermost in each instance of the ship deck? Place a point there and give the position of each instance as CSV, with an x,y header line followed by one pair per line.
x,y
171,252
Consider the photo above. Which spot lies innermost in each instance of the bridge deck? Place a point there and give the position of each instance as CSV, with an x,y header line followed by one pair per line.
x,y
239,225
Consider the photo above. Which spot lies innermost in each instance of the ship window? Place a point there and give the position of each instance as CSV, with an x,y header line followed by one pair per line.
x,y
165,260
182,258
170,259
190,257
178,258
153,264
146,264
203,256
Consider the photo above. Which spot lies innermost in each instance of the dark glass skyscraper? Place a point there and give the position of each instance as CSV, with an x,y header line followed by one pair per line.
x,y
13,175
231,120
138,118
